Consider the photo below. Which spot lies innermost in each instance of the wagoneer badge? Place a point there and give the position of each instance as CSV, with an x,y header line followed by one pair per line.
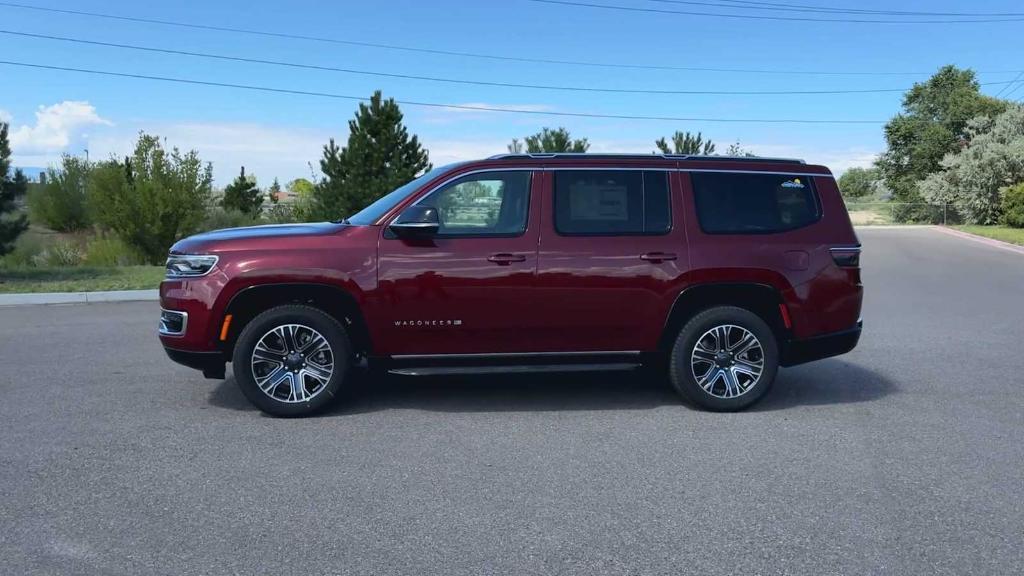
x,y
404,323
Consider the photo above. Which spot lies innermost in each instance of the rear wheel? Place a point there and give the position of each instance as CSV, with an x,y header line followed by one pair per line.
x,y
292,360
724,359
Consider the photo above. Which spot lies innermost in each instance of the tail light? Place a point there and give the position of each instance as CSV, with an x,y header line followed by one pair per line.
x,y
848,258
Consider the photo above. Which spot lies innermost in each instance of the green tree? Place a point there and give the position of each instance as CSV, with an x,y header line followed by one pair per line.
x,y
11,188
153,198
932,123
860,182
555,140
686,143
973,178
61,203
243,195
379,157
301,187
515,147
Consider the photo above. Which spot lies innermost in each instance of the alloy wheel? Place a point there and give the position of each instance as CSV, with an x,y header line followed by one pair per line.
x,y
727,361
292,363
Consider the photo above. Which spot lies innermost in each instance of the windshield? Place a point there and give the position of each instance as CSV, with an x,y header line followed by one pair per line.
x,y
374,211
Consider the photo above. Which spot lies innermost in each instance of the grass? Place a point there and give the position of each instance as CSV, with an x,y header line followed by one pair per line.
x,y
876,214
79,279
1004,233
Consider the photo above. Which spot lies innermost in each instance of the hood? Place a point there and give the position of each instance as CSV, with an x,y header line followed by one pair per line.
x,y
232,238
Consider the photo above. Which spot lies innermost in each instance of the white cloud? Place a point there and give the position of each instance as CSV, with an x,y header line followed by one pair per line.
x,y
5,116
56,128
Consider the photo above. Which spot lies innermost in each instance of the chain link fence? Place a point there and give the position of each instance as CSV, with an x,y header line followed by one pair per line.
x,y
883,213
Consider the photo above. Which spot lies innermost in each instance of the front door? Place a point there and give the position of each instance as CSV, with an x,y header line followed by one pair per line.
x,y
468,289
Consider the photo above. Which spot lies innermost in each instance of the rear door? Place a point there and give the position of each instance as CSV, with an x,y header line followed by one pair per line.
x,y
612,252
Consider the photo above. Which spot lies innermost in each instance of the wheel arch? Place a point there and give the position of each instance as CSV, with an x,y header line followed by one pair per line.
x,y
248,302
761,299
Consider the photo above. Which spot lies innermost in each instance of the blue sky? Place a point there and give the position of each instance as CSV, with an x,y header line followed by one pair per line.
x,y
277,135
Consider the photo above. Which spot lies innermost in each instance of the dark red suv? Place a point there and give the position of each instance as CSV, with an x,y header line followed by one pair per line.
x,y
720,269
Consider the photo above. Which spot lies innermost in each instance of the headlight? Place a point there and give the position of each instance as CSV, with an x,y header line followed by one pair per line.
x,y
188,266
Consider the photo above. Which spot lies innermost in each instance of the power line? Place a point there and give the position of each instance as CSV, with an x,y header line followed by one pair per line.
x,y
470,107
457,80
492,57
1010,83
1009,95
738,4
763,17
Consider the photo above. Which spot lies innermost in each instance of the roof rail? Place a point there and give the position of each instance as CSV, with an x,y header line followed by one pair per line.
x,y
543,155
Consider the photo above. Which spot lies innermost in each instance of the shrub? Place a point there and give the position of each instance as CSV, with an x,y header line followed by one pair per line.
x,y
26,249
1013,206
110,251
219,218
62,253
281,214
152,199
60,204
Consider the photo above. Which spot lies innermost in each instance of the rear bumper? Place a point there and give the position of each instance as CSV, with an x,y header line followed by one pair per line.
x,y
210,363
810,349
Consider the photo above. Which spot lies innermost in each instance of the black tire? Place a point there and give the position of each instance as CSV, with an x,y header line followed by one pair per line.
x,y
681,371
293,314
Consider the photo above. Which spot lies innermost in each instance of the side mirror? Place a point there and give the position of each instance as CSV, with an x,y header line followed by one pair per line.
x,y
416,222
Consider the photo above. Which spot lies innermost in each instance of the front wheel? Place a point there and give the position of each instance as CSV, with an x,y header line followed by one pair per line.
x,y
292,360
724,359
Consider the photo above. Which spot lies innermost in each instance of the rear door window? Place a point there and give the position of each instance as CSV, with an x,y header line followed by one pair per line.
x,y
611,202
739,203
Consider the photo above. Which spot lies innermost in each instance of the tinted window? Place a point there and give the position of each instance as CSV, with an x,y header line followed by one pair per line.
x,y
732,203
486,204
611,202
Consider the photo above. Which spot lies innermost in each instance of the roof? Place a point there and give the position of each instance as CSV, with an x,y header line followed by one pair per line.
x,y
577,155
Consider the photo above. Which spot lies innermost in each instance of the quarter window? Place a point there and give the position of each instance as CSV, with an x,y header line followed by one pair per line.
x,y
487,204
736,203
611,202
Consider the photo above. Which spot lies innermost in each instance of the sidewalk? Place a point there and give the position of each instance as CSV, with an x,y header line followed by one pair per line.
x,y
29,298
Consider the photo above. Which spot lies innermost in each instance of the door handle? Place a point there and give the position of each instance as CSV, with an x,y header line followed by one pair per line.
x,y
505,258
656,257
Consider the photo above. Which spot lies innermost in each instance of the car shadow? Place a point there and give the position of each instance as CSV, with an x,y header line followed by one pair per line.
x,y
822,383
826,382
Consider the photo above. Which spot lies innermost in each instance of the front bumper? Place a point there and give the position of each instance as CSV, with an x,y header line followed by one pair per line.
x,y
211,363
810,349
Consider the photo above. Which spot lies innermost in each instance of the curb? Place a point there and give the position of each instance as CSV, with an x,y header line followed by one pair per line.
x,y
31,298
982,239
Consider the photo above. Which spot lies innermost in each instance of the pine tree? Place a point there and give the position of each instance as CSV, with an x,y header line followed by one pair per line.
x,y
274,192
555,140
11,188
686,143
379,157
243,195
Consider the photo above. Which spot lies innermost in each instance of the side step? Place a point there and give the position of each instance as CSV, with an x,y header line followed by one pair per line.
x,y
511,369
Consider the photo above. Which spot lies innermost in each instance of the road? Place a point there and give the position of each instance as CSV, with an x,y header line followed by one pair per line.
x,y
905,456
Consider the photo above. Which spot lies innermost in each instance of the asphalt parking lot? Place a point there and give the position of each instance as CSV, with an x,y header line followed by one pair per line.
x,y
905,456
